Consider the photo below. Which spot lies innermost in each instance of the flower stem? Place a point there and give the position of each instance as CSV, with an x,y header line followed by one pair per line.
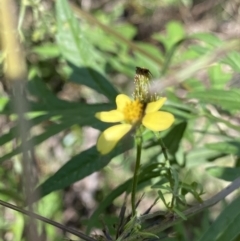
x,y
135,176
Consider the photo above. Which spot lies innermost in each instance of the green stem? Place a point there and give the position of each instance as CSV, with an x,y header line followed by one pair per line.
x,y
135,176
164,149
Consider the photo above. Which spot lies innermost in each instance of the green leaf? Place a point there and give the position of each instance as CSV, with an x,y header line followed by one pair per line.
x,y
179,213
71,114
82,165
37,88
51,131
96,81
218,77
78,167
161,196
232,231
146,174
227,147
77,50
233,60
226,99
70,37
224,222
226,173
47,51
8,136
107,201
198,50
174,137
210,39
194,84
127,30
67,113
175,33
3,103
13,133
200,155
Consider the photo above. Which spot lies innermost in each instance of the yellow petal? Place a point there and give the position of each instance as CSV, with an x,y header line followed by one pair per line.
x,y
121,101
158,121
155,106
110,116
111,136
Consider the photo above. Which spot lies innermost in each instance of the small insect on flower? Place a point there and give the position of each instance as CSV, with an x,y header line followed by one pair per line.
x,y
141,111
131,113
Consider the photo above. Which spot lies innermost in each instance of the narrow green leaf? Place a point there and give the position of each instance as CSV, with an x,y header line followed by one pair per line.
x,y
226,99
233,60
174,137
13,133
226,173
93,79
227,147
144,177
161,196
86,62
47,51
3,103
218,77
8,136
37,88
51,131
80,166
208,38
179,213
232,230
200,155
224,220
175,33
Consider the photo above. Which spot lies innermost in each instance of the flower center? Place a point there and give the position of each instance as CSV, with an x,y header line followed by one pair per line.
x,y
133,111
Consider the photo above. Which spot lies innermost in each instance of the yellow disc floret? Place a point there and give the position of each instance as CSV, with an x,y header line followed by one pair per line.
x,y
133,111
131,114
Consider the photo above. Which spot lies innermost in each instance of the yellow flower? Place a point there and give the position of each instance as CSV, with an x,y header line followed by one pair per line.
x,y
130,113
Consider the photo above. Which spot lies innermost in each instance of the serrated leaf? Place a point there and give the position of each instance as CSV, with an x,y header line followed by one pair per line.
x,y
226,173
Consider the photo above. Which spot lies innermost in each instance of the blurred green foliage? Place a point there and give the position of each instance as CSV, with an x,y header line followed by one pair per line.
x,y
62,49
